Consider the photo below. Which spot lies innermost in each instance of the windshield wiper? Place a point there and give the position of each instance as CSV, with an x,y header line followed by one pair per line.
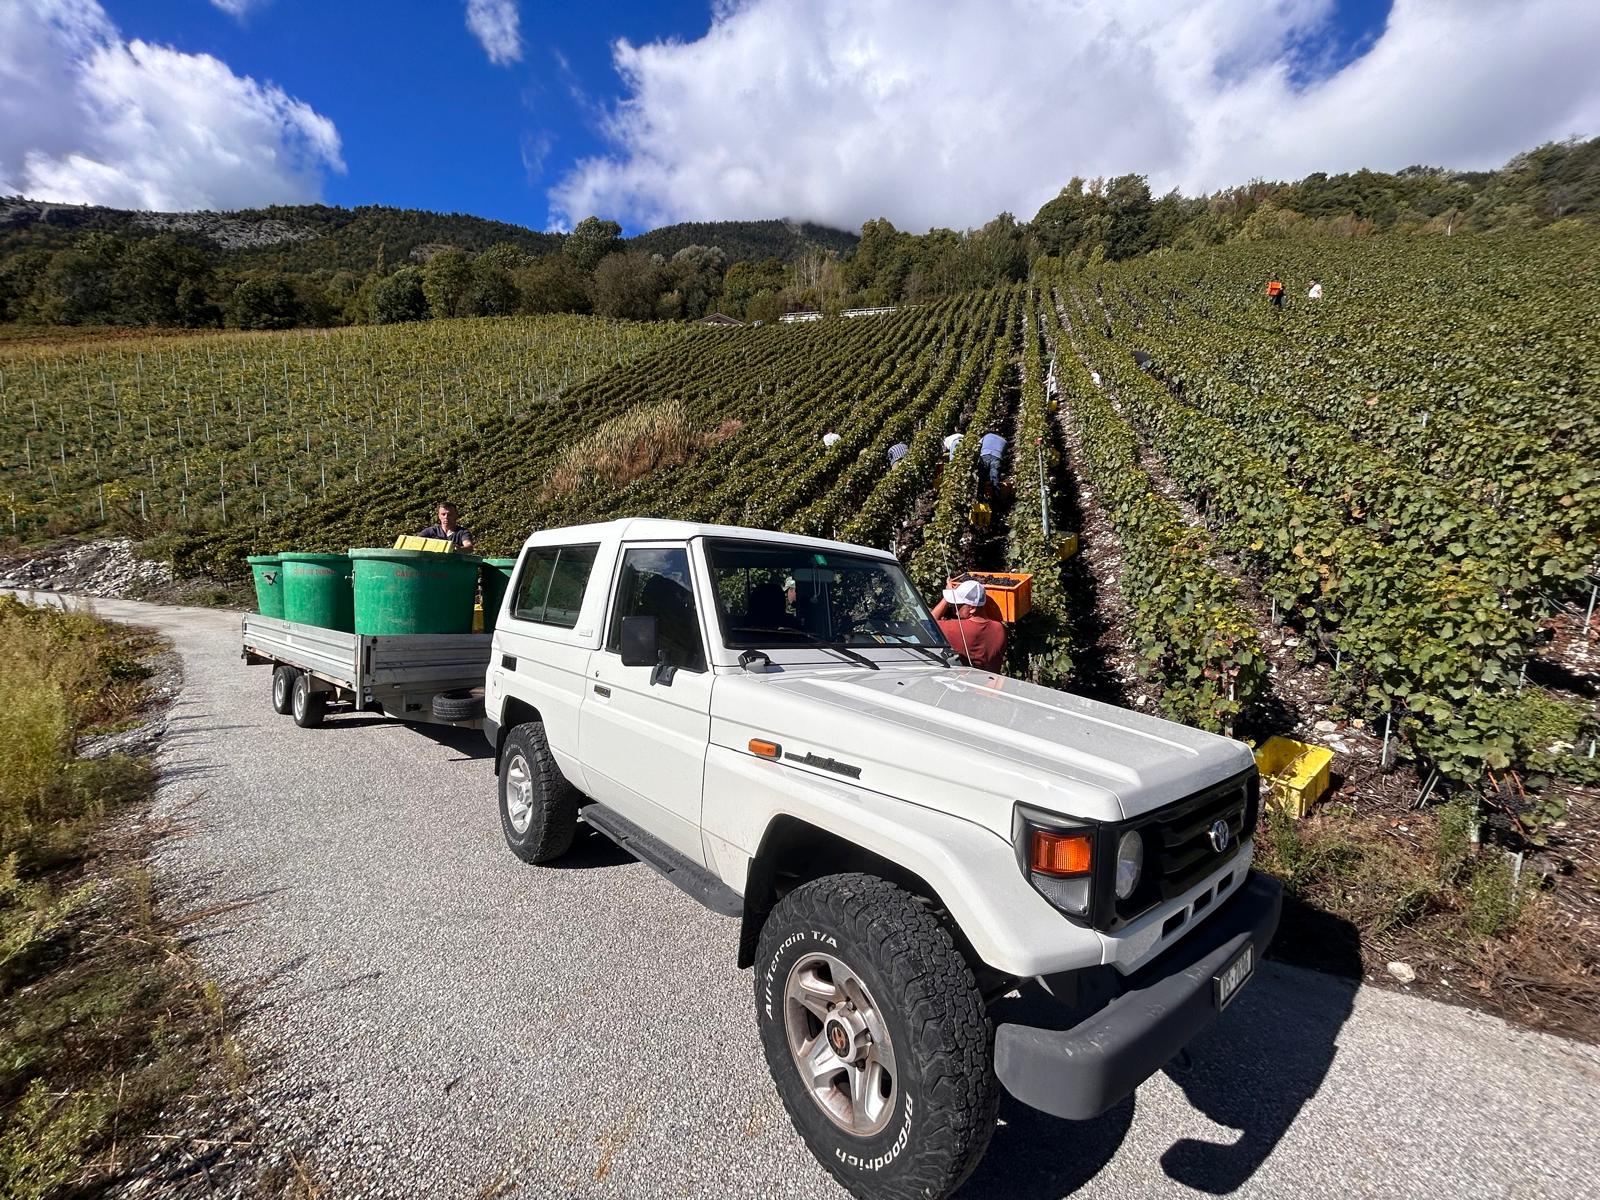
x,y
940,656
837,647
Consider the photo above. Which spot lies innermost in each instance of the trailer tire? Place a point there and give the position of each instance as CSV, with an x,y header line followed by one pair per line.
x,y
283,689
309,706
900,995
464,704
538,807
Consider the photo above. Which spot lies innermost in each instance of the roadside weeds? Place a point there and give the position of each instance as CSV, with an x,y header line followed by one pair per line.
x,y
111,1033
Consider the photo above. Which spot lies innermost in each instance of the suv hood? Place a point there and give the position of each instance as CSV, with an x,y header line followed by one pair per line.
x,y
972,743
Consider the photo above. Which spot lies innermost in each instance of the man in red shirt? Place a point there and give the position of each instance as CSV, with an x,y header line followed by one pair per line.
x,y
976,638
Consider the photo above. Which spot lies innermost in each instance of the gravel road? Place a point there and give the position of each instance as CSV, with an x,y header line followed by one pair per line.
x,y
432,1018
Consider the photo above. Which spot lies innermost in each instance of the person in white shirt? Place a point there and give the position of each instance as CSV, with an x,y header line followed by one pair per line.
x,y
1095,375
1316,290
950,444
829,438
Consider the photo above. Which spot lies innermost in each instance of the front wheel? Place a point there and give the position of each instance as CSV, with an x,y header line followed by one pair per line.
x,y
877,1037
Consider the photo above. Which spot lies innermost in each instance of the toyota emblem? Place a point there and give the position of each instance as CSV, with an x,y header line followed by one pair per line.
x,y
1220,836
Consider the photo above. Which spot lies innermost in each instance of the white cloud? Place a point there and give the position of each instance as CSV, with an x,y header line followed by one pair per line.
x,y
89,118
841,110
237,8
497,24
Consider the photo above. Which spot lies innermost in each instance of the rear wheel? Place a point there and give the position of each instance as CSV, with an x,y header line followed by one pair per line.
x,y
877,1037
283,689
538,807
309,706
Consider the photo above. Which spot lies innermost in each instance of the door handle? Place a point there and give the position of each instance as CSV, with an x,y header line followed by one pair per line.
x,y
602,691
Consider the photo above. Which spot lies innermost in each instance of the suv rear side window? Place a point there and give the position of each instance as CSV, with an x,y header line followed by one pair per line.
x,y
551,586
655,583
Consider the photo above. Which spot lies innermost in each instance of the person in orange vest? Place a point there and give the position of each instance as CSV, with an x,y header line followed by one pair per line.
x,y
1275,291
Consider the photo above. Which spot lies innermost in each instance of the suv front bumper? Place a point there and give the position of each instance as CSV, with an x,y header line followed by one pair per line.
x,y
1080,1072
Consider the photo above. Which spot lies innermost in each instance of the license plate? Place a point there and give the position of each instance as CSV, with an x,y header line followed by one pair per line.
x,y
1227,982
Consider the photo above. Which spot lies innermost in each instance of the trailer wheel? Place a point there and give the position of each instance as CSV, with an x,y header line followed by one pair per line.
x,y
538,807
283,690
309,706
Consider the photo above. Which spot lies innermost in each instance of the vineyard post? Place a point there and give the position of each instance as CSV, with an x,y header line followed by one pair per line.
x,y
1427,787
1385,761
1044,489
1594,591
141,505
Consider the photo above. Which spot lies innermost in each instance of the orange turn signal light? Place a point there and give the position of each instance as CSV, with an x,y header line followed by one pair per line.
x,y
1060,853
765,749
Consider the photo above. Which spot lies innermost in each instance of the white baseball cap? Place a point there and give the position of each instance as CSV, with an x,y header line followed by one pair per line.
x,y
968,591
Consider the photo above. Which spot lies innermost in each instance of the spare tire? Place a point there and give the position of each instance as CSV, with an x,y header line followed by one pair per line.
x,y
463,704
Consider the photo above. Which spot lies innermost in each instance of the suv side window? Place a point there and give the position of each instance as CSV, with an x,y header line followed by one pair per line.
x,y
550,589
655,583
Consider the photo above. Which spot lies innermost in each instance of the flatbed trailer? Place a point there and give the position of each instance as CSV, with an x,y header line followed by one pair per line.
x,y
434,679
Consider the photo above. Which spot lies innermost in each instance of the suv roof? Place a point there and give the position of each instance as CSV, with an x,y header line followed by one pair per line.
x,y
644,529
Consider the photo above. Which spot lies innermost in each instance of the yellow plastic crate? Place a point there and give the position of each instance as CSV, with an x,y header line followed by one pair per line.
x,y
1295,773
1066,546
408,541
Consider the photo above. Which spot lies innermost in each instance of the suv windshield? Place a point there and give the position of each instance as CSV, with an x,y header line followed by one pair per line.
x,y
770,595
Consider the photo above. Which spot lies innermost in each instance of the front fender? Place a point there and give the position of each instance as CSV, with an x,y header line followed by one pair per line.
x,y
972,871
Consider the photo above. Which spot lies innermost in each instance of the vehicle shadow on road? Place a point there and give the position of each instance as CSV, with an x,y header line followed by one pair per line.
x,y
1253,1071
591,850
469,743
1035,1156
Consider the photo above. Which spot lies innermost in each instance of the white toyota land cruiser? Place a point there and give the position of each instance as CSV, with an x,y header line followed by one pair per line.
x,y
776,724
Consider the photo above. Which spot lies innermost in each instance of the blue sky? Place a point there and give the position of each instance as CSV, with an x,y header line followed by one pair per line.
x,y
425,119
929,112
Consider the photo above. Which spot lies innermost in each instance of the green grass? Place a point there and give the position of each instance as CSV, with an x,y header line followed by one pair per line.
x,y
104,1020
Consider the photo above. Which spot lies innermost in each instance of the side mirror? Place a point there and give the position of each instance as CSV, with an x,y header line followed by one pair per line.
x,y
640,642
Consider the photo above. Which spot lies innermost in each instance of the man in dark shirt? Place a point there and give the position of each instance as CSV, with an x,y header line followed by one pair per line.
x,y
459,538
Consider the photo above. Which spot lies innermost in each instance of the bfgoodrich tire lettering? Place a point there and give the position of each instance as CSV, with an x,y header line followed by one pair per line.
x,y
538,807
944,1088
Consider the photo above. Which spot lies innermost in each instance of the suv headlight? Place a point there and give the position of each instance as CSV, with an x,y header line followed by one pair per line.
x,y
1130,863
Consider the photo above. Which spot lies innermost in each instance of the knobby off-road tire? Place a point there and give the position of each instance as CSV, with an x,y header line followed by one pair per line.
x,y
905,974
538,807
283,690
309,706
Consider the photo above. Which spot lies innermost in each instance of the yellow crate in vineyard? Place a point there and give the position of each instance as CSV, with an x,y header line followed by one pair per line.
x,y
1295,774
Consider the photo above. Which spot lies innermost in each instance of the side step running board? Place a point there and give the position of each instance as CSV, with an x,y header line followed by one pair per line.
x,y
662,858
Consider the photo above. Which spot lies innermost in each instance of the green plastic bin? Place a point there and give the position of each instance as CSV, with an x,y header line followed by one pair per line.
x,y
316,590
268,572
413,591
496,577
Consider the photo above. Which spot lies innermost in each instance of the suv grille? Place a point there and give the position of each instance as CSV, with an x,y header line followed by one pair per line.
x,y
1178,850
1180,837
